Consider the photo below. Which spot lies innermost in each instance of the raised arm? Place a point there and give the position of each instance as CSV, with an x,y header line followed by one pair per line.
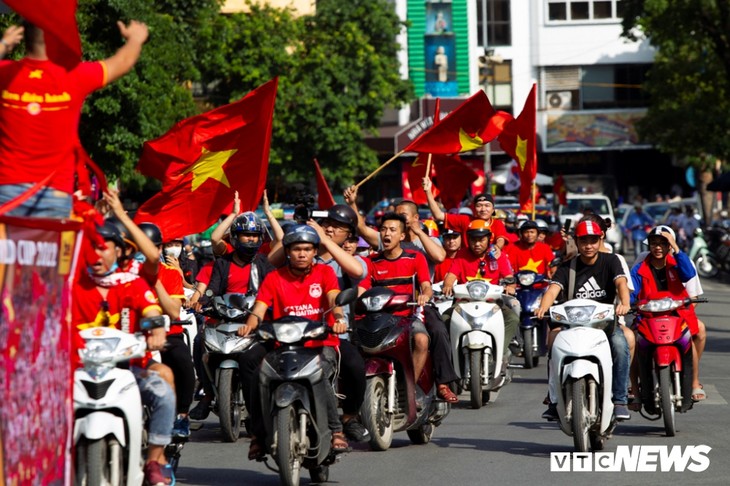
x,y
11,38
368,234
146,247
216,237
135,35
434,251
438,214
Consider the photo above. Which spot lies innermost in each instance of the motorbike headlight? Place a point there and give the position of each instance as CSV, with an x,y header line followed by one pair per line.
x,y
265,334
287,333
527,279
661,305
317,331
99,351
375,303
581,314
477,290
233,313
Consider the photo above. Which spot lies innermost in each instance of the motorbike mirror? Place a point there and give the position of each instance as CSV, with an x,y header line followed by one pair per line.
x,y
556,262
209,293
345,297
508,281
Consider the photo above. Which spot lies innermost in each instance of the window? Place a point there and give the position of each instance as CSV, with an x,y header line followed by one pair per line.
x,y
496,78
584,10
595,87
496,15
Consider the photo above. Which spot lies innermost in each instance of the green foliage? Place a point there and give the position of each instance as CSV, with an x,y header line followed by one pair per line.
x,y
689,83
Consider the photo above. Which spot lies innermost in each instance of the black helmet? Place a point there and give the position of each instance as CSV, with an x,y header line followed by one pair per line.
x,y
344,214
153,232
510,217
301,233
127,239
529,224
246,223
109,232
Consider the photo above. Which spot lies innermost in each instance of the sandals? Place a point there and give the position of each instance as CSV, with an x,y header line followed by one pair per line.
x,y
339,443
255,450
445,393
698,394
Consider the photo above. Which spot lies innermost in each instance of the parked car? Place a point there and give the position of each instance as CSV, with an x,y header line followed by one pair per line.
x,y
599,204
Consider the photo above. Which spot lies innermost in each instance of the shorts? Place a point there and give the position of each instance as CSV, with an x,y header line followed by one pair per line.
x,y
418,327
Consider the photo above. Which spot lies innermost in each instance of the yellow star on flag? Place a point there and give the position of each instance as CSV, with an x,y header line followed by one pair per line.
x,y
531,265
521,151
468,142
210,166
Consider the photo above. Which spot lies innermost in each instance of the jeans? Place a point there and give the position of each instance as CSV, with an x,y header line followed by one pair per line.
x,y
46,203
620,354
159,398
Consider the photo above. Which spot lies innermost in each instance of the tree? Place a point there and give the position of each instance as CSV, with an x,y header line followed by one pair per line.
x,y
689,83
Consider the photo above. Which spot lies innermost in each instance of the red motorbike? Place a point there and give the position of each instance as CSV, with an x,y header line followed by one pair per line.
x,y
664,353
394,400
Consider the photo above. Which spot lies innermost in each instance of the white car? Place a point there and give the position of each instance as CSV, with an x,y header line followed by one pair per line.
x,y
601,205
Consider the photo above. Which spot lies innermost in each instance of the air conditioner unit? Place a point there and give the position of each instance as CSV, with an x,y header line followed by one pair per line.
x,y
560,100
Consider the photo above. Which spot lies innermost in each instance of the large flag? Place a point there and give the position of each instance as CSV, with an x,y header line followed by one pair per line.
x,y
324,195
57,19
204,159
474,123
560,192
519,140
453,178
416,173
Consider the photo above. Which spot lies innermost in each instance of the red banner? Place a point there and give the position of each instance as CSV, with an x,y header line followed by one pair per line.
x,y
36,415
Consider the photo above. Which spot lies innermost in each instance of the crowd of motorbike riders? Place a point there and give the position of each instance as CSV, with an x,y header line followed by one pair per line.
x,y
301,268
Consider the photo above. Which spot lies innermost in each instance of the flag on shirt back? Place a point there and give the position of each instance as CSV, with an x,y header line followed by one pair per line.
x,y
57,20
519,141
204,159
324,195
474,123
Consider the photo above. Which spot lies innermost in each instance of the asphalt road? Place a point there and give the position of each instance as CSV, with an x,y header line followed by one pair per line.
x,y
506,442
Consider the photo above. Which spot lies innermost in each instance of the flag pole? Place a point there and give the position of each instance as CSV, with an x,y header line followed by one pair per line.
x,y
372,174
428,166
534,197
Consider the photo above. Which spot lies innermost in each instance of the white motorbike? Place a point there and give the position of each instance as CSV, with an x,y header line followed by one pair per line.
x,y
477,339
581,372
108,412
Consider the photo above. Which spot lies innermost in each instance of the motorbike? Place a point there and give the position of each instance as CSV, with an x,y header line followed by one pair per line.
x,y
394,400
581,371
477,339
222,347
531,286
108,413
293,396
704,259
664,353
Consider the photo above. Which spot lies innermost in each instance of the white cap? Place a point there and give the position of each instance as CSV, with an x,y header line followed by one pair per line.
x,y
657,231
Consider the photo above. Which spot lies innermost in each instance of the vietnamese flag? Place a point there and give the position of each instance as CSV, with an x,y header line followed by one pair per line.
x,y
324,195
204,159
453,179
474,123
519,141
416,173
560,192
57,20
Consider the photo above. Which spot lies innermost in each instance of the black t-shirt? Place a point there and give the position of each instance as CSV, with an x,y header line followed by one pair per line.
x,y
594,282
660,277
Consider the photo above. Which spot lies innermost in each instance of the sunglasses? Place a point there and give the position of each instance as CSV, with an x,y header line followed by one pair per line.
x,y
482,268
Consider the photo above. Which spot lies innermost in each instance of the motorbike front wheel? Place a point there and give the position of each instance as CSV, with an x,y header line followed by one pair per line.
x,y
475,378
707,265
579,415
319,474
531,357
229,406
374,415
665,389
99,462
287,441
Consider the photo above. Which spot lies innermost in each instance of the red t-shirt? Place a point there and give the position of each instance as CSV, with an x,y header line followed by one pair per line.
x,y
537,258
468,266
460,223
39,119
287,294
442,269
172,280
205,273
397,274
238,278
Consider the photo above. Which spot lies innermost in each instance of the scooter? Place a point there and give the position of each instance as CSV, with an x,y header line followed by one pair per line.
x,y
222,347
108,412
477,339
394,400
664,353
293,396
581,372
704,259
531,286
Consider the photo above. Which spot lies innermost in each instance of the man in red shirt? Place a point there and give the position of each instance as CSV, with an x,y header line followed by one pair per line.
x,y
39,118
528,253
396,268
452,245
477,264
104,297
302,288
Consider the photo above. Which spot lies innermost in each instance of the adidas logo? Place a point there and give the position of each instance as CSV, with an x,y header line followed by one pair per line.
x,y
590,290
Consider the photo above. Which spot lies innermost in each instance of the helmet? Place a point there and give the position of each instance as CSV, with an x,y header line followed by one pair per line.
x,y
127,240
588,228
478,228
542,225
109,232
659,231
153,232
301,233
432,229
342,213
510,217
246,222
528,225
499,214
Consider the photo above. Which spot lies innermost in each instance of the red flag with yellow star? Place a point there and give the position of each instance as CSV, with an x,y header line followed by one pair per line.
x,y
204,159
519,140
560,192
474,123
57,20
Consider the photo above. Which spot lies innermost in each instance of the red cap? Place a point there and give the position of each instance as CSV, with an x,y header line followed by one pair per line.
x,y
588,228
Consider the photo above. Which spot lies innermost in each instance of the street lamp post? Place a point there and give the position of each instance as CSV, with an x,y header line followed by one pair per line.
x,y
486,63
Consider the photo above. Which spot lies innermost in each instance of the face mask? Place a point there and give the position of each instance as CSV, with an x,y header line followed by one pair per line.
x,y
173,251
139,257
113,269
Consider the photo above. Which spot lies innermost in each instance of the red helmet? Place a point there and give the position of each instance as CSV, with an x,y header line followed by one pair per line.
x,y
588,228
